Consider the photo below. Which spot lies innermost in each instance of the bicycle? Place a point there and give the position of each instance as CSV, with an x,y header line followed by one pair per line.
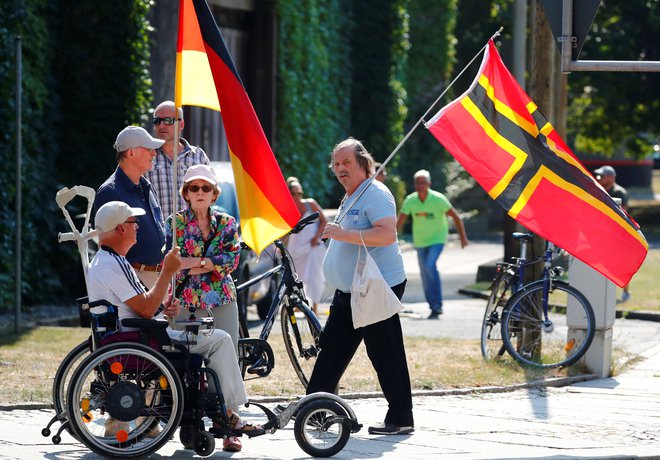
x,y
530,321
300,326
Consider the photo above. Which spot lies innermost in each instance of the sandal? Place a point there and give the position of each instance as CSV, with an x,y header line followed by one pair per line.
x,y
238,425
232,444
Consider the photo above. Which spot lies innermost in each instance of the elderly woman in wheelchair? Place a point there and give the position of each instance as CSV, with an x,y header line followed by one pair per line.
x,y
147,383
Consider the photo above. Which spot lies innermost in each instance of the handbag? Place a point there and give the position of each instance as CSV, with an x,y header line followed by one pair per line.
x,y
372,299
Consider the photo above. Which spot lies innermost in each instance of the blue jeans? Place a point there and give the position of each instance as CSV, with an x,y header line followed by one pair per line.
x,y
427,258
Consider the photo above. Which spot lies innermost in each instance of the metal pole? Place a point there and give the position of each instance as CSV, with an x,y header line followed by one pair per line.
x,y
520,41
569,65
567,38
19,141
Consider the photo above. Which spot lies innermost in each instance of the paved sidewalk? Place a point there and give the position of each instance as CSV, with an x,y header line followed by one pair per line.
x,y
605,418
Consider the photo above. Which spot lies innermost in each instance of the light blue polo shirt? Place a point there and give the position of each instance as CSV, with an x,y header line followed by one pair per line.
x,y
341,258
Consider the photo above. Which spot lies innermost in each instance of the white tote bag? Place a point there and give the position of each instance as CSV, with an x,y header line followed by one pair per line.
x,y
372,300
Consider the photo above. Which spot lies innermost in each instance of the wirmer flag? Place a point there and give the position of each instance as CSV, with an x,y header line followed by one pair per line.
x,y
206,76
501,138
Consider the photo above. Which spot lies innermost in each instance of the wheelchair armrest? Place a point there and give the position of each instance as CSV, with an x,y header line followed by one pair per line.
x,y
142,323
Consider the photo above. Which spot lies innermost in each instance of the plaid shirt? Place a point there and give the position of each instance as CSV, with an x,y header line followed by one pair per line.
x,y
160,175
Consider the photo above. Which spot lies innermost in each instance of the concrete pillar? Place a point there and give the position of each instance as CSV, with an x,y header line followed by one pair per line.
x,y
601,293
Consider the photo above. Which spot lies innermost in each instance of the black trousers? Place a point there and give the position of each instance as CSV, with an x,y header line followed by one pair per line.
x,y
384,343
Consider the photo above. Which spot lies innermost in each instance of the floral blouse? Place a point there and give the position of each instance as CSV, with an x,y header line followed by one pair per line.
x,y
214,288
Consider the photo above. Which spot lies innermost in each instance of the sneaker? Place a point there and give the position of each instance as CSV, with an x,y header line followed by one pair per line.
x,y
232,444
387,428
434,315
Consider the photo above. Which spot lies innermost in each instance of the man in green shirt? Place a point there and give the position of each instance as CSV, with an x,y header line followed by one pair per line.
x,y
429,210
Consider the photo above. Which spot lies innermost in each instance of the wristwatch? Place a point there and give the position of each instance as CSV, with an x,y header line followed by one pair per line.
x,y
202,262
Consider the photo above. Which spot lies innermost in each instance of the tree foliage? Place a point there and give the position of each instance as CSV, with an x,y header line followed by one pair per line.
x,y
618,110
102,82
84,77
430,60
26,19
313,87
379,53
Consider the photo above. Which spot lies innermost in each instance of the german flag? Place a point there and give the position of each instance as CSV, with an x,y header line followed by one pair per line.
x,y
502,139
207,77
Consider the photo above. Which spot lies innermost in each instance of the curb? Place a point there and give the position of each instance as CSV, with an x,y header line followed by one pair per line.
x,y
535,384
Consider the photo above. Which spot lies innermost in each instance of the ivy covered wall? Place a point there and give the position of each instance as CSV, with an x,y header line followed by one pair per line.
x,y
313,88
79,90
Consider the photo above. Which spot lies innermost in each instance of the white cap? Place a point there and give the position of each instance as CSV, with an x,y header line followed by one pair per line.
x,y
202,172
114,213
133,136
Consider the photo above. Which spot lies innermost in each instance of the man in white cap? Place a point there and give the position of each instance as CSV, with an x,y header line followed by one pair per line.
x,y
606,177
112,278
161,173
135,153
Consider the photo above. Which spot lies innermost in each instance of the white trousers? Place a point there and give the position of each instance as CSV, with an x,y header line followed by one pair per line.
x,y
219,355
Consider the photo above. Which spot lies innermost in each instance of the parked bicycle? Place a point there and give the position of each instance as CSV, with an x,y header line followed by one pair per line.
x,y
300,326
531,321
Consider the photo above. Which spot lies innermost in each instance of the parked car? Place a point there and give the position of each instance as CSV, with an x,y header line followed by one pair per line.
x,y
250,265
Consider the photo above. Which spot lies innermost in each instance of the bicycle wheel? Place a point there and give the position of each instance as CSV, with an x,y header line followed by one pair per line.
x,y
319,430
534,340
119,394
301,330
492,346
64,372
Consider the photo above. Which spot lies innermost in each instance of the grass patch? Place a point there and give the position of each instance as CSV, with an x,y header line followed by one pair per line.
x,y
28,363
644,287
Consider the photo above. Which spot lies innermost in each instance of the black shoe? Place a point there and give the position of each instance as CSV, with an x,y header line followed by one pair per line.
x,y
434,315
387,428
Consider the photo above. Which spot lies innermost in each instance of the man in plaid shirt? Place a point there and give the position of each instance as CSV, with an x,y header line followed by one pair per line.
x,y
161,173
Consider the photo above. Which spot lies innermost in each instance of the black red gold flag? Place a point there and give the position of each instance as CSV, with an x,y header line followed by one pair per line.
x,y
206,77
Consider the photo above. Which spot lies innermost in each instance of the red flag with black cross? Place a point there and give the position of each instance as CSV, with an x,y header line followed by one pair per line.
x,y
502,139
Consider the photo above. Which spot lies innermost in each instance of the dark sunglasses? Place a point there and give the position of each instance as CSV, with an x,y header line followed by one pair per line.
x,y
205,188
167,120
133,221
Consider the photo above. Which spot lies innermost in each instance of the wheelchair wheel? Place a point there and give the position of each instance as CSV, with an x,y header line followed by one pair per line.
x,y
204,443
64,373
319,428
120,396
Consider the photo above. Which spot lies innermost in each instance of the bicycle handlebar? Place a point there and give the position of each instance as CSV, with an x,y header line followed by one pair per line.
x,y
304,222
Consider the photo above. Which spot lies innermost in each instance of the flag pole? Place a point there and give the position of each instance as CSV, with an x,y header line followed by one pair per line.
x,y
416,125
175,170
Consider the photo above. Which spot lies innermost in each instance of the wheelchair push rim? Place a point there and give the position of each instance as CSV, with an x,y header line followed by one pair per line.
x,y
125,391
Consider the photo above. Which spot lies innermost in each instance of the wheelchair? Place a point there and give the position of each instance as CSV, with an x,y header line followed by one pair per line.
x,y
149,386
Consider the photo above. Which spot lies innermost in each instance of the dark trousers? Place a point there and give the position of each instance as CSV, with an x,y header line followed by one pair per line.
x,y
384,343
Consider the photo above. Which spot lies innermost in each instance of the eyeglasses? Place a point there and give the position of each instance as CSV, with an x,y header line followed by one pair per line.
x,y
134,221
205,188
167,120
